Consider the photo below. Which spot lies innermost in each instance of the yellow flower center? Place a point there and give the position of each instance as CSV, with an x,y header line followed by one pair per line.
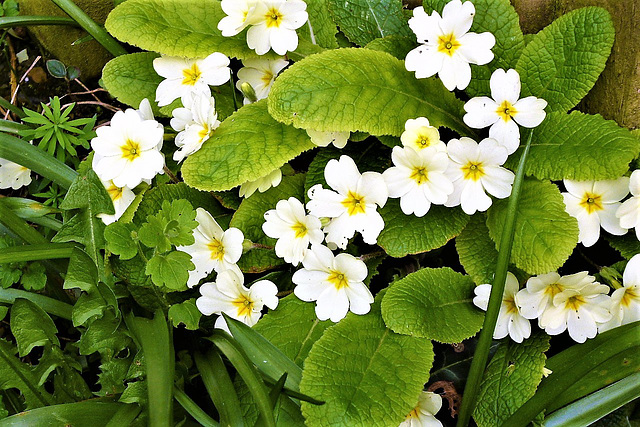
x,y
114,192
273,18
354,203
591,202
266,78
574,302
510,303
130,150
420,174
630,294
448,44
244,305
204,133
300,229
338,279
473,171
553,289
191,75
217,249
506,111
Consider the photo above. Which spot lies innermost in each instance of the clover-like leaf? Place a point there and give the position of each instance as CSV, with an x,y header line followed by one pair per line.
x,y
170,270
122,239
171,226
186,313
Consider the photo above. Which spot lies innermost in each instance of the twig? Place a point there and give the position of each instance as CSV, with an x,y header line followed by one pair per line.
x,y
100,103
171,175
24,76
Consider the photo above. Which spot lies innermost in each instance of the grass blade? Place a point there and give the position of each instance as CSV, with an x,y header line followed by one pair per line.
x,y
125,416
25,20
193,409
9,106
50,305
36,252
88,413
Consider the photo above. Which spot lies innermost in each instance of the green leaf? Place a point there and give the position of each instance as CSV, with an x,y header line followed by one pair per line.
x,y
89,413
365,20
433,303
545,234
121,239
185,313
380,375
579,146
249,219
320,28
477,251
398,46
171,226
32,327
628,245
50,305
510,379
247,146
170,270
360,90
34,277
408,234
188,29
16,374
105,336
563,61
82,272
3,311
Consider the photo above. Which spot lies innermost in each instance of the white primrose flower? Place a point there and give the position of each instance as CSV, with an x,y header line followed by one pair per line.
x,y
128,150
239,13
262,184
274,24
419,134
594,204
577,310
214,248
423,415
418,179
260,74
202,121
336,283
13,175
184,77
121,197
293,228
625,301
510,319
228,295
474,169
505,111
352,206
447,47
629,212
537,296
323,139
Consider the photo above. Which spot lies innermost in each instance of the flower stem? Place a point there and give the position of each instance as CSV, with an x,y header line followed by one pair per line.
x,y
481,354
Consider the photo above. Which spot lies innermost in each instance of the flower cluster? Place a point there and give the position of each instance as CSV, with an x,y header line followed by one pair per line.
x,y
575,303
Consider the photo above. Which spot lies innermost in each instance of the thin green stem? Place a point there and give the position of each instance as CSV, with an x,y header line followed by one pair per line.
x,y
91,27
50,305
479,362
193,409
36,252
233,92
25,20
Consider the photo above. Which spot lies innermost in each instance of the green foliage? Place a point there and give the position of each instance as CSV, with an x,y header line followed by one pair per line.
x,y
545,234
360,90
172,225
90,413
563,61
58,134
579,146
121,239
628,245
477,251
380,378
30,275
433,303
320,29
32,327
247,146
249,219
365,20
170,270
398,46
510,379
186,313
408,234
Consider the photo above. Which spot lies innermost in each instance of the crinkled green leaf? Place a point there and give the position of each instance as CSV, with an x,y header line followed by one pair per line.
x,y
186,313
106,336
434,303
398,46
579,146
176,27
34,277
122,239
3,311
173,225
170,270
477,251
249,219
88,306
510,379
545,234
360,90
562,63
365,20
366,373
132,272
628,245
31,326
408,234
82,272
320,28
247,146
